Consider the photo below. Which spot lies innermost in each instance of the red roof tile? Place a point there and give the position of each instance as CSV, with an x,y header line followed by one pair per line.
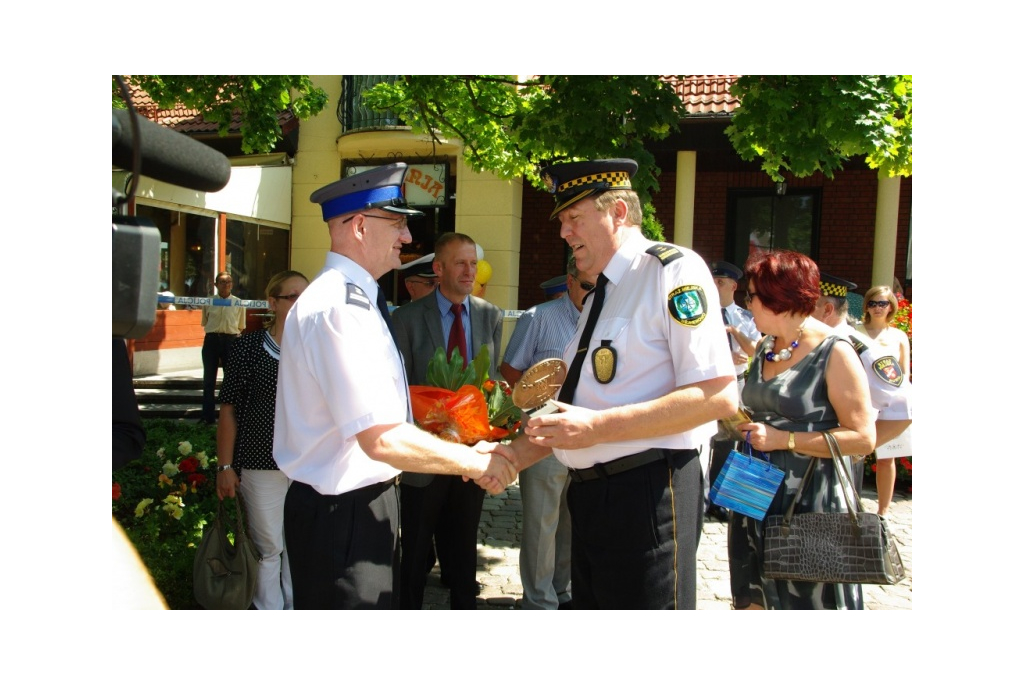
x,y
185,120
705,95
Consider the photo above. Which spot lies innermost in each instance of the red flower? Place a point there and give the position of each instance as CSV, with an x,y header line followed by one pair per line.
x,y
905,463
195,479
188,465
117,491
874,468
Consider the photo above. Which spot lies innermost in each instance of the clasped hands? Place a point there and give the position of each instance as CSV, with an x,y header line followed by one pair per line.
x,y
500,469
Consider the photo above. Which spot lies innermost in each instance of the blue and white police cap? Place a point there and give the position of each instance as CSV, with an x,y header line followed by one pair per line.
x,y
574,181
833,286
422,267
379,188
726,270
555,285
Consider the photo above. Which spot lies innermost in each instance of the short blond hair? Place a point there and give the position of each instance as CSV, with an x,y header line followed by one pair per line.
x,y
879,292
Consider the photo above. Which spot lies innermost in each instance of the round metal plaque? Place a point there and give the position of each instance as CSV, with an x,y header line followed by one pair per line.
x,y
539,383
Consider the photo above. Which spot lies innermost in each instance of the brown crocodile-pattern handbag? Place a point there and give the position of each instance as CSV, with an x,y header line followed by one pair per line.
x,y
843,547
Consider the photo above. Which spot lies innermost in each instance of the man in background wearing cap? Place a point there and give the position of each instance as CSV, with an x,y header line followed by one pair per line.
x,y
544,556
444,505
649,375
743,336
890,389
419,276
343,432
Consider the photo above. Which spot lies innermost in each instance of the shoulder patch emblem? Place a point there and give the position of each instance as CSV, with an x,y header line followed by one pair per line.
x,y
665,253
888,370
355,295
688,305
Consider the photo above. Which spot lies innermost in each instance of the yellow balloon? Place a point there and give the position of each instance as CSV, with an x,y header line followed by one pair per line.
x,y
483,271
478,289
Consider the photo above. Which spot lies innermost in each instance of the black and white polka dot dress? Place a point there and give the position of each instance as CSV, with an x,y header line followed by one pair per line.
x,y
250,384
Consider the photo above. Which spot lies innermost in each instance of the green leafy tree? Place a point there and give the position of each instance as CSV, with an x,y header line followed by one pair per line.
x,y
257,99
510,125
805,124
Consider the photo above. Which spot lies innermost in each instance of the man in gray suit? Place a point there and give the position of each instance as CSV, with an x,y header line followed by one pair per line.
x,y
450,318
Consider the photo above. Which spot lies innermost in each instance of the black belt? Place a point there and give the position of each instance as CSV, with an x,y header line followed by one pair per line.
x,y
623,464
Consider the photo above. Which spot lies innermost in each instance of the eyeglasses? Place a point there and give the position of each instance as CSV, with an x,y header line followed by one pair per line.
x,y
418,282
224,281
872,304
401,219
749,297
290,298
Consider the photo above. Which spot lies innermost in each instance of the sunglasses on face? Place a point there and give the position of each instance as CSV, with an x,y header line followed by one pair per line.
x,y
290,298
586,286
872,304
749,297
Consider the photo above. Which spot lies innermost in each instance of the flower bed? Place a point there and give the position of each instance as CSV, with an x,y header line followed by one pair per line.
x,y
164,499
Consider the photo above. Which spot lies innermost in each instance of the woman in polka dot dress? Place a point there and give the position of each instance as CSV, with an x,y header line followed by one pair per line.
x,y
245,440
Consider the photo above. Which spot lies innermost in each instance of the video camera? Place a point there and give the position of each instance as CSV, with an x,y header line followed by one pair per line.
x,y
144,147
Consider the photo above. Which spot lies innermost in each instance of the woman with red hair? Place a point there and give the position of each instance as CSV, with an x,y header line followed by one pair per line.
x,y
803,380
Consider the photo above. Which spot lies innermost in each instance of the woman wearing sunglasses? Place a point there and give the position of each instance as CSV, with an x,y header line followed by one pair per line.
x,y
880,306
245,440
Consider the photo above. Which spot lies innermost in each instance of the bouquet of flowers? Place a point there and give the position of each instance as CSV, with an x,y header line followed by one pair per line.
x,y
463,405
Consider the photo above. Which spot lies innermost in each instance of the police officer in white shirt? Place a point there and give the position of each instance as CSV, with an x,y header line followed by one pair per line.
x,y
649,375
890,388
342,430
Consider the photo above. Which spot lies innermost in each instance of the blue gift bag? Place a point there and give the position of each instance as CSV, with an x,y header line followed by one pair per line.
x,y
746,485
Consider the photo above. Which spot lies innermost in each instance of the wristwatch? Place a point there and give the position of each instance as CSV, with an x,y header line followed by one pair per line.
x,y
792,441
225,467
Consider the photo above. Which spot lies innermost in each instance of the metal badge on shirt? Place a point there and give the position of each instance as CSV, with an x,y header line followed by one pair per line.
x,y
604,360
688,305
888,369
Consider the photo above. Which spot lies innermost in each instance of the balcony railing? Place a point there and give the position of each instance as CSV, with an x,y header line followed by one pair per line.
x,y
354,115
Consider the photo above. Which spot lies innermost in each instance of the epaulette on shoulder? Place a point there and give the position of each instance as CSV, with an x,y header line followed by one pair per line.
x,y
858,345
355,295
665,253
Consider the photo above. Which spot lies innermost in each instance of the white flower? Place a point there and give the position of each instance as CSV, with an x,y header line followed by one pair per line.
x,y
185,447
203,460
160,453
170,470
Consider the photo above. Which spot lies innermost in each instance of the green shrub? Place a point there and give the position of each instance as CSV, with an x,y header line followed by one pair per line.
x,y
165,498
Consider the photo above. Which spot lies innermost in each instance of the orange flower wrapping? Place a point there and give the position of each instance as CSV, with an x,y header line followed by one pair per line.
x,y
453,416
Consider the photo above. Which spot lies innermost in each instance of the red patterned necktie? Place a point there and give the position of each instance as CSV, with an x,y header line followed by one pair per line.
x,y
457,336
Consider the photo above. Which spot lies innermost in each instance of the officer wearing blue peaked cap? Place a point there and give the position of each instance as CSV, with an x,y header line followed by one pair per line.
x,y
726,270
379,188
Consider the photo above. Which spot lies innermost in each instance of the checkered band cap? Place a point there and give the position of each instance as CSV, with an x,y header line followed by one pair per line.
x,y
610,180
833,286
833,289
572,181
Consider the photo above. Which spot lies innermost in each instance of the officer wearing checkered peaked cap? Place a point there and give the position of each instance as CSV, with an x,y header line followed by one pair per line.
x,y
648,375
833,286
379,188
574,181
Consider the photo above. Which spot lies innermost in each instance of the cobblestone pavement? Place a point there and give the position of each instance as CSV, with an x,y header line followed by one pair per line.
x,y
501,528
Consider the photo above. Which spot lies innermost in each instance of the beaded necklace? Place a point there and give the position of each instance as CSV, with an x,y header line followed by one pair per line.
x,y
785,354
